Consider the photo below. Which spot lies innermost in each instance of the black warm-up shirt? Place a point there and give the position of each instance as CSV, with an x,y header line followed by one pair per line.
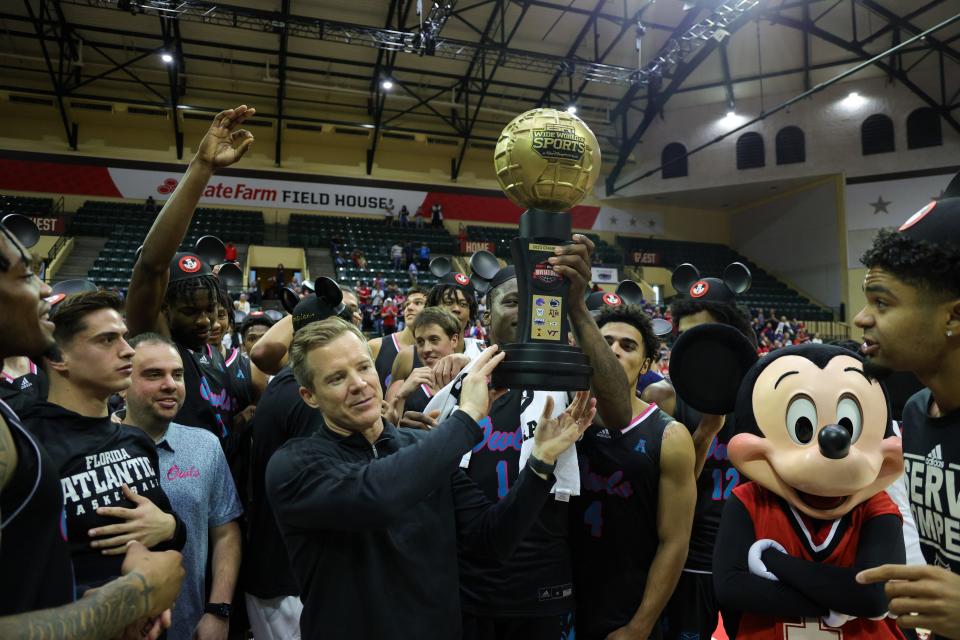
x,y
94,457
373,528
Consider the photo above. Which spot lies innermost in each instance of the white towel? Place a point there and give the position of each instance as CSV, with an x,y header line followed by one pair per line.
x,y
567,473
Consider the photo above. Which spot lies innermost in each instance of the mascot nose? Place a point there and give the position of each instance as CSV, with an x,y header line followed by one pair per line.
x,y
834,442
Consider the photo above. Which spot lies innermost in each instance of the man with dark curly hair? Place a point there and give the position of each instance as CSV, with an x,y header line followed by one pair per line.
x,y
911,322
630,526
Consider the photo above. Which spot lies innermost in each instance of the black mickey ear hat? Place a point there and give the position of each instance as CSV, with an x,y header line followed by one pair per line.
x,y
255,318
627,292
68,288
186,265
939,222
707,365
212,251
274,315
441,267
484,267
687,281
325,302
23,229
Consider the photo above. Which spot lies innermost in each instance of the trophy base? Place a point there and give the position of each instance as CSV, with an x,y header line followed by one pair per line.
x,y
543,367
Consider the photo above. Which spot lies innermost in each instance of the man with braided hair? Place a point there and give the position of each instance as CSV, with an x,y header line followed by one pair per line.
x,y
175,294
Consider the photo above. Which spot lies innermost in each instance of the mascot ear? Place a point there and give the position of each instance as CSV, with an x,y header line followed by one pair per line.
x,y
707,365
737,277
289,299
440,266
683,277
23,229
630,292
211,250
484,267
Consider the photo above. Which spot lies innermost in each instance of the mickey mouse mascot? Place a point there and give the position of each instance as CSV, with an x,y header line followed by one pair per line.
x,y
813,434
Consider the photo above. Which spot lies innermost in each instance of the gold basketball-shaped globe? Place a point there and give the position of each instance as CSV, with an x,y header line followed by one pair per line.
x,y
547,159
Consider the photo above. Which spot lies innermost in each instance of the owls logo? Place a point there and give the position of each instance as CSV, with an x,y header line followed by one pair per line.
x,y
189,264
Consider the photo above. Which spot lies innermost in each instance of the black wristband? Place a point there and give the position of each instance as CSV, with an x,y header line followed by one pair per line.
x,y
219,609
539,466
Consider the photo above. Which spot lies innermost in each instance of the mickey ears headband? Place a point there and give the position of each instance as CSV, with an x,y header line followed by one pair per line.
x,y
938,222
23,229
442,268
62,290
326,289
686,280
210,251
627,292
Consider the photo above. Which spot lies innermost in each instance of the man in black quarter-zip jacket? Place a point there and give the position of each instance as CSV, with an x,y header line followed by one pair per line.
x,y
372,515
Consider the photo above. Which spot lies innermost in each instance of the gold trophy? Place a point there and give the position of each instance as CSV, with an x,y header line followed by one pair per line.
x,y
546,161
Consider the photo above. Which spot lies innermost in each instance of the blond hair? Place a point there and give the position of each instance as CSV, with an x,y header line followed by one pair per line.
x,y
313,336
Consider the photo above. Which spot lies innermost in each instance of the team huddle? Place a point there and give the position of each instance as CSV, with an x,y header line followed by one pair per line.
x,y
307,482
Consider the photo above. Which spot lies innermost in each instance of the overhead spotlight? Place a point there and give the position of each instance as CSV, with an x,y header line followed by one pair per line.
x,y
853,101
386,84
572,109
166,57
731,114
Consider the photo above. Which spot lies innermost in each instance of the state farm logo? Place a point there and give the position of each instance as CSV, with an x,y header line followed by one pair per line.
x,y
167,186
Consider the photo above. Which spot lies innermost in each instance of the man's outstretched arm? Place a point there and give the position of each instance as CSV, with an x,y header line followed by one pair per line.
x,y
148,588
223,145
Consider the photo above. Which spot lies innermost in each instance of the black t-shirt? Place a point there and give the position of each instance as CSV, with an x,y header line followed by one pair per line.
x,y
931,453
613,522
419,399
281,415
715,484
211,401
537,579
34,559
94,457
21,393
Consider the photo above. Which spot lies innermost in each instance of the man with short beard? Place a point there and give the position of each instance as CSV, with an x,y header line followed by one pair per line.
x,y
40,601
911,322
195,476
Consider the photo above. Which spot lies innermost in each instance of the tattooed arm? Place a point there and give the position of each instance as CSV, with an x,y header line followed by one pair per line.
x,y
149,587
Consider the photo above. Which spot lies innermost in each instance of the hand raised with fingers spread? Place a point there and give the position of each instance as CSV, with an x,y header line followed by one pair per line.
x,y
224,144
475,396
555,435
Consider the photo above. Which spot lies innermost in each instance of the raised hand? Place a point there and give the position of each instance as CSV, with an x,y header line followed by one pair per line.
x,y
224,143
475,396
417,377
555,435
572,261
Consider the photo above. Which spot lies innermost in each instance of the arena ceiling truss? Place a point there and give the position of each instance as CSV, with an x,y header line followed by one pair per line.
x,y
457,71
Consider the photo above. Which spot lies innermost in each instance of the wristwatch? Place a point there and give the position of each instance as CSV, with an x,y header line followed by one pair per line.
x,y
539,466
219,609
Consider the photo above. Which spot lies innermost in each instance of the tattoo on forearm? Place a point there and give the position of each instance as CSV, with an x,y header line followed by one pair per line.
x,y
104,614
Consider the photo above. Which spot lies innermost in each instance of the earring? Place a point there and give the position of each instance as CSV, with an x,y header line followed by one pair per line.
x,y
949,333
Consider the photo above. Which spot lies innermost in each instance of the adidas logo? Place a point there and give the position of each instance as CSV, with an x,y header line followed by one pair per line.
x,y
935,458
603,433
25,384
204,360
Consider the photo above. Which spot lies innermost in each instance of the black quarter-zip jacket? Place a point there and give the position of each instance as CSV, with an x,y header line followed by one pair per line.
x,y
373,529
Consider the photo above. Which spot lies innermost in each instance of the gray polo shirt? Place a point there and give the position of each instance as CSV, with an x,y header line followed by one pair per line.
x,y
195,476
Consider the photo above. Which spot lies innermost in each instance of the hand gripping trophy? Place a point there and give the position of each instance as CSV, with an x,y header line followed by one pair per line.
x,y
546,161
